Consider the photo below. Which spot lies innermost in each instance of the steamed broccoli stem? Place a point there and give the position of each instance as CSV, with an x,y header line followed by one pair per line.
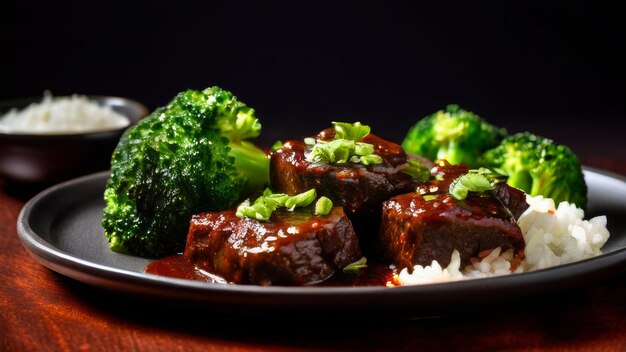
x,y
451,152
558,193
543,185
253,163
522,180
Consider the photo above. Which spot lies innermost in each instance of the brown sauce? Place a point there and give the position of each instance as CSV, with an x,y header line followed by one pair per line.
x,y
392,153
179,267
428,202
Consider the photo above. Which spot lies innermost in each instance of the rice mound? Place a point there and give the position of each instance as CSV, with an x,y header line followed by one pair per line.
x,y
556,236
553,236
62,115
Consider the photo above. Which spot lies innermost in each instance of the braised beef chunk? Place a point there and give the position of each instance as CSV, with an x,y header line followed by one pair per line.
x,y
294,248
359,189
429,224
512,198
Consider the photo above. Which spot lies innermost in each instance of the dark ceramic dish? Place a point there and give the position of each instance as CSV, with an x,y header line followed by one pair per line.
x,y
61,227
44,159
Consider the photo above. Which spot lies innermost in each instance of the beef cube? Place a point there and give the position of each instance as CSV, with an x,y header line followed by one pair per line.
x,y
359,189
512,198
293,248
429,224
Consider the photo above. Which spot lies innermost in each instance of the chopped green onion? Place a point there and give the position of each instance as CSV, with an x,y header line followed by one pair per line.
x,y
264,206
344,147
337,151
354,267
301,200
278,198
323,206
277,145
417,170
480,180
342,150
429,197
242,209
363,149
259,210
371,159
351,131
268,192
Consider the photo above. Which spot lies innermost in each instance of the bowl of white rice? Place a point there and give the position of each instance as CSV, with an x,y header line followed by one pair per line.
x,y
44,140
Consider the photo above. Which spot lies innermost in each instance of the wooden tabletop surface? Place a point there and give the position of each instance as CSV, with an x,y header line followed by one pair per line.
x,y
41,310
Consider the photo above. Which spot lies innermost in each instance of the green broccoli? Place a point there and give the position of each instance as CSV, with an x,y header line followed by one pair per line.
x,y
538,166
456,135
190,156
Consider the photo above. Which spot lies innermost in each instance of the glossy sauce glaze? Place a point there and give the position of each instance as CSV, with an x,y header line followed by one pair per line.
x,y
180,267
359,189
294,248
393,155
429,224
434,194
481,220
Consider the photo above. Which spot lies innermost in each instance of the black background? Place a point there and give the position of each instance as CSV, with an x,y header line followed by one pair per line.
x,y
552,67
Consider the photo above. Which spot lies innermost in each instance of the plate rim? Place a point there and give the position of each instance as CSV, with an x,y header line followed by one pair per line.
x,y
135,282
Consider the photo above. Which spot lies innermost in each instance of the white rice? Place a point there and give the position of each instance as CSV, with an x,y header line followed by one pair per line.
x,y
62,115
556,236
553,236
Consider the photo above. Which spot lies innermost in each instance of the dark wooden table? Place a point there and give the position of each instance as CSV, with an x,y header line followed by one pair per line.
x,y
41,310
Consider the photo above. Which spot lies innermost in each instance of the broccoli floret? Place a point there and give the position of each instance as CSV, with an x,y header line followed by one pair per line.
x,y
456,135
538,166
188,157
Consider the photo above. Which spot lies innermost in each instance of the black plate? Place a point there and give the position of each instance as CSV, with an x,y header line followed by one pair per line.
x,y
61,228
